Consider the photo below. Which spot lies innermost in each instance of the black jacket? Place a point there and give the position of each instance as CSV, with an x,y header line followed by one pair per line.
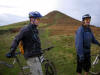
x,y
30,39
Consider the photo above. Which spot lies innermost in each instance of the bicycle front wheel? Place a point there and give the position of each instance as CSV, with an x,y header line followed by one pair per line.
x,y
49,68
95,65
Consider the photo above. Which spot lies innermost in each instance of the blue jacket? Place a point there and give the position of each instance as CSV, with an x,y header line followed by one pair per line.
x,y
84,38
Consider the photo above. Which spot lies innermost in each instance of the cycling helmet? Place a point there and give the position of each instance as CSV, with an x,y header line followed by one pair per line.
x,y
86,16
35,14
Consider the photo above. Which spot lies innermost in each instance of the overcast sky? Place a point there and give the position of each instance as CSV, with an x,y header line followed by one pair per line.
x,y
77,8
17,10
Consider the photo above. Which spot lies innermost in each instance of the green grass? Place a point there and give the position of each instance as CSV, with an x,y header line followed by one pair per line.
x,y
12,26
63,55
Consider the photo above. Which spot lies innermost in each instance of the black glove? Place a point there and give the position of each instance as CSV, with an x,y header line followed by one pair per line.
x,y
10,55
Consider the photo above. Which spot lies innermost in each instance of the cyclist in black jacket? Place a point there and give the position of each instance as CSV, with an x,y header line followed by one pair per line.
x,y
31,43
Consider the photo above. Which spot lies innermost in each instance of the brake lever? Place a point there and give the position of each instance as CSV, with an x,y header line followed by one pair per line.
x,y
17,53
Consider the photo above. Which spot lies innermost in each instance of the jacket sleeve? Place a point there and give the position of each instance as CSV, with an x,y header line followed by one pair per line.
x,y
94,40
16,41
79,43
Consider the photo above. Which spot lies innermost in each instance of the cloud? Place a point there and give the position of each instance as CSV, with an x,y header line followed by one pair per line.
x,y
6,6
9,19
29,5
77,8
21,8
73,8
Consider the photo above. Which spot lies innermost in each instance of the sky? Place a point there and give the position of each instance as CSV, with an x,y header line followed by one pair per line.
x,y
12,11
77,8
17,10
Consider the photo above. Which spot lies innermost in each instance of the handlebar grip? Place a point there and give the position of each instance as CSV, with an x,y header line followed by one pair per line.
x,y
48,48
8,55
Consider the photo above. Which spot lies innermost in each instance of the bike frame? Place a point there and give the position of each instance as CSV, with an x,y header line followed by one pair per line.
x,y
41,58
96,59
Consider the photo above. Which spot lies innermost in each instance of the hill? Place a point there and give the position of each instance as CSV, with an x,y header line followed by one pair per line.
x,y
56,22
59,23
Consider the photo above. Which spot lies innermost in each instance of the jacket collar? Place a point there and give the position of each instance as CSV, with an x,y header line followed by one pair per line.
x,y
33,26
86,29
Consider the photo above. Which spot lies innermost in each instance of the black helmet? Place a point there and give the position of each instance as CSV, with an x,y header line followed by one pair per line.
x,y
35,14
86,16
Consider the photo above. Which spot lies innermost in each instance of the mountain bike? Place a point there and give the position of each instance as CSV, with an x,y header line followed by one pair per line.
x,y
95,64
6,64
48,66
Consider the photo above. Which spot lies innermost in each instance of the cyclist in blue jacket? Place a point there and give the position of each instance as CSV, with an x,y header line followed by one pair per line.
x,y
84,38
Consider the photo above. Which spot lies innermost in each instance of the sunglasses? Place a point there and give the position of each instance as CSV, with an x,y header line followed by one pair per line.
x,y
38,19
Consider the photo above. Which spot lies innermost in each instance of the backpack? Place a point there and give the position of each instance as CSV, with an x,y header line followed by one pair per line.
x,y
21,47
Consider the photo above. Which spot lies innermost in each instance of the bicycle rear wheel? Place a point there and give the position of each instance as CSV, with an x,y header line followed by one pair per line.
x,y
49,68
95,65
6,64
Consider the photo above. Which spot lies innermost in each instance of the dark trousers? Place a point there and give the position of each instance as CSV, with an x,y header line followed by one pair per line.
x,y
85,65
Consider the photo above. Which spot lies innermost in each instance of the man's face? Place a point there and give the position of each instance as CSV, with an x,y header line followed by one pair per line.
x,y
35,21
87,21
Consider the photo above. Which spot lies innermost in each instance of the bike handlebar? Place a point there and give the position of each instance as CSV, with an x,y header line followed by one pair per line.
x,y
47,49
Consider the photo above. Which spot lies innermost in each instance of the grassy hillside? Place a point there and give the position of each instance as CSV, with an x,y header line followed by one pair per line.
x,y
60,50
63,55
